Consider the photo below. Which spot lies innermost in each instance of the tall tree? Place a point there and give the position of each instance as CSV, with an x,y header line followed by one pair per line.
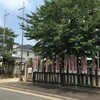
x,y
8,60
9,40
65,26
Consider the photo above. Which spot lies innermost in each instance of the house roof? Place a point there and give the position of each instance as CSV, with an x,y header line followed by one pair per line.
x,y
27,47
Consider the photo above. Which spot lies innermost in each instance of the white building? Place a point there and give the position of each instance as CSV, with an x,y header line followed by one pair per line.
x,y
27,52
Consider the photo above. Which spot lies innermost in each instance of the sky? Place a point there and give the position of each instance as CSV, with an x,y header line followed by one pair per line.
x,y
12,20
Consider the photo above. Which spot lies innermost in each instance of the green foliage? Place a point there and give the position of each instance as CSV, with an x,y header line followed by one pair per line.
x,y
9,39
65,26
9,59
30,62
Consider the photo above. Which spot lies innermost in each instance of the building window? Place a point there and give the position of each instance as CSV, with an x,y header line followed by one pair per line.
x,y
27,53
14,52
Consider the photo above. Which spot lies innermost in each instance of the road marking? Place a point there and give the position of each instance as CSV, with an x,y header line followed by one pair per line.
x,y
51,97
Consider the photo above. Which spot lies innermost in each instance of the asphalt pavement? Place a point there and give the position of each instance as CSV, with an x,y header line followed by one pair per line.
x,y
10,95
80,93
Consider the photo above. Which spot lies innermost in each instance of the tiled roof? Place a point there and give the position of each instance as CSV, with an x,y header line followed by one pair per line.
x,y
28,47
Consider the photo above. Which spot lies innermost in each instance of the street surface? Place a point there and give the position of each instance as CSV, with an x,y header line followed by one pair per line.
x,y
11,94
12,89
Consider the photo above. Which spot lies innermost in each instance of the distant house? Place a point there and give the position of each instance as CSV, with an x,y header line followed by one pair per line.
x,y
27,52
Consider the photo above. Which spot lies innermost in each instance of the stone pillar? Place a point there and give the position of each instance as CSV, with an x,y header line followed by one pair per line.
x,y
98,77
26,72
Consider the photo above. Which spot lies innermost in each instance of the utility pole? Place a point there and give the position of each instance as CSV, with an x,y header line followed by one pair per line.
x,y
23,8
3,44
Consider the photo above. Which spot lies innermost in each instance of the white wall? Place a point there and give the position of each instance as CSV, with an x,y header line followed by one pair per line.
x,y
18,54
31,55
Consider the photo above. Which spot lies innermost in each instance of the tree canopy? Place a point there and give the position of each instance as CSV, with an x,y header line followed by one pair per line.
x,y
65,27
9,40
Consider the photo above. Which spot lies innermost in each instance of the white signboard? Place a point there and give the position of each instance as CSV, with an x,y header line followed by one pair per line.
x,y
30,70
0,64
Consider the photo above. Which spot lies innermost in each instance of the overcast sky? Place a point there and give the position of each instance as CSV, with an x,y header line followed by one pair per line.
x,y
12,21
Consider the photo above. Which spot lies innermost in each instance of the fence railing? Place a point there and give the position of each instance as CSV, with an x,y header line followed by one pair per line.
x,y
67,78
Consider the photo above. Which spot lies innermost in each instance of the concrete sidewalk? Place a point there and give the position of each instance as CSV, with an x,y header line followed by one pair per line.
x,y
8,80
49,88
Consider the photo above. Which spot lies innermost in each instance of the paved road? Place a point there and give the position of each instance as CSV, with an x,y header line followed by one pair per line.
x,y
47,90
17,94
10,95
64,92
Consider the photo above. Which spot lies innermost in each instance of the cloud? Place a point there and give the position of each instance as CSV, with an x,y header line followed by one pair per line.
x,y
15,4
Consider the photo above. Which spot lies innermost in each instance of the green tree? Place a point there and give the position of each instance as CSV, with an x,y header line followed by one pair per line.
x,y
8,60
65,26
9,40
30,62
